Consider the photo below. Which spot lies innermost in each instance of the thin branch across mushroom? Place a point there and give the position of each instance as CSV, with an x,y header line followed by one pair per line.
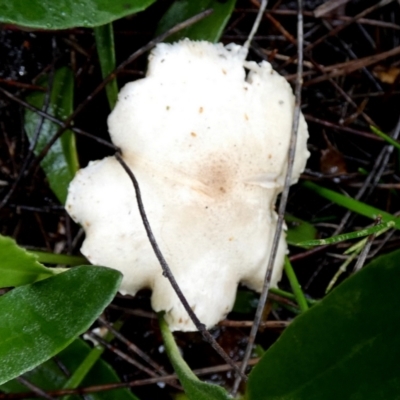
x,y
206,134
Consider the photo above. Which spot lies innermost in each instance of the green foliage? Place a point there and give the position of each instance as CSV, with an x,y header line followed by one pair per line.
x,y
385,137
298,231
210,28
106,50
346,346
51,313
18,267
245,302
52,258
48,14
48,375
194,388
353,205
61,161
294,283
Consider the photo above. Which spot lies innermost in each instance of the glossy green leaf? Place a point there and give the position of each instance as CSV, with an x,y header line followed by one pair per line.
x,y
345,347
50,314
61,162
48,375
18,267
209,28
106,50
298,230
194,388
48,14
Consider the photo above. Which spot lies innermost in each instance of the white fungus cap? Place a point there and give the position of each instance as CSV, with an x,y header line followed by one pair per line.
x,y
207,136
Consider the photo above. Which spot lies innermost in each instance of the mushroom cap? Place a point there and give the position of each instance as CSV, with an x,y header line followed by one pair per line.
x,y
206,135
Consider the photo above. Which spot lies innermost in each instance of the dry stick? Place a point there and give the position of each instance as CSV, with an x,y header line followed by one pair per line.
x,y
374,176
276,23
131,346
335,31
37,390
328,6
364,253
249,324
32,145
355,57
339,69
120,385
128,359
22,85
169,275
256,24
283,201
364,21
332,125
333,71
66,124
369,184
343,93
56,120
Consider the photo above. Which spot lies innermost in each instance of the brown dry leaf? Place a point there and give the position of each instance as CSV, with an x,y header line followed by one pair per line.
x,y
386,75
332,161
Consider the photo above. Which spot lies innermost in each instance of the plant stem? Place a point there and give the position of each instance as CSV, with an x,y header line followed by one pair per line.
x,y
294,283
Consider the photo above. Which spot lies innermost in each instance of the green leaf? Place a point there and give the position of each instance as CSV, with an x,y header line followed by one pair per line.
x,y
346,346
351,204
48,375
61,162
294,283
194,388
209,28
51,313
52,258
298,231
18,267
387,138
105,48
245,302
48,14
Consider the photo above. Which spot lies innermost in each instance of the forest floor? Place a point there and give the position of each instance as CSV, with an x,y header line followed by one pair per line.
x,y
351,80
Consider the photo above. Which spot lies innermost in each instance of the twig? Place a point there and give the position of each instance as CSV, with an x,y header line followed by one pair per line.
x,y
168,273
37,390
56,120
249,324
364,253
125,357
120,385
256,24
131,346
283,201
339,28
329,124
328,6
33,143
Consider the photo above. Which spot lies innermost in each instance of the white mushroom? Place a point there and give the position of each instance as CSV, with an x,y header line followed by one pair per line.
x,y
208,146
